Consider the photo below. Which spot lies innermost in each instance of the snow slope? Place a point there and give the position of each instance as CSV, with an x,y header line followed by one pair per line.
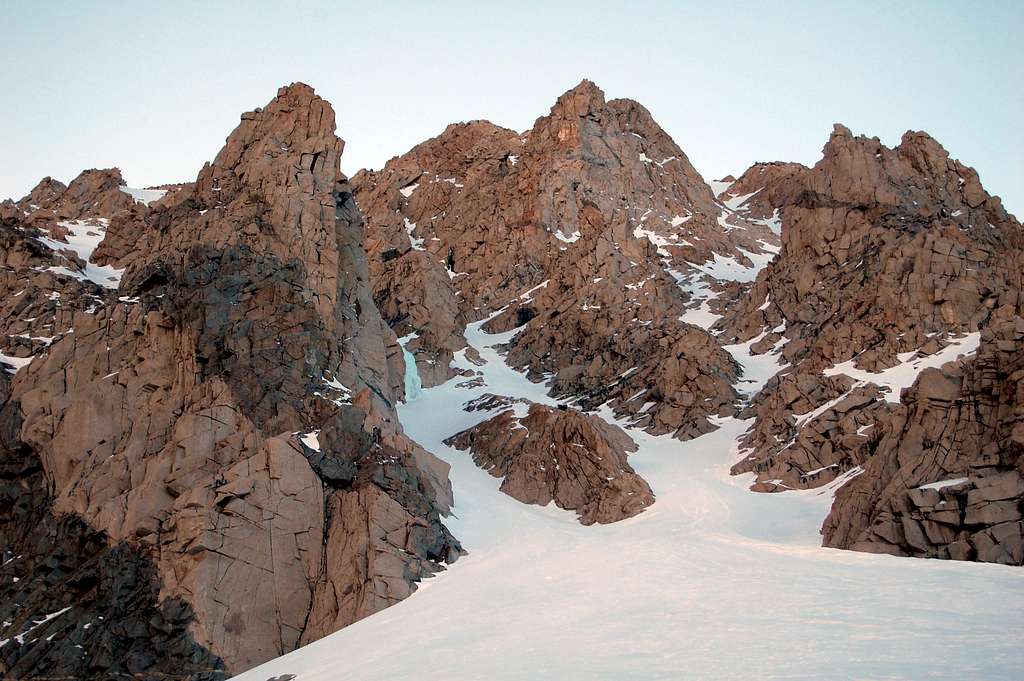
x,y
712,582
83,237
144,196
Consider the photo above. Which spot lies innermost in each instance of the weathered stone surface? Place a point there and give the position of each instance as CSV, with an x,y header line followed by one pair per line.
x,y
887,254
37,304
112,621
580,228
94,194
577,228
561,455
203,461
211,412
936,436
764,190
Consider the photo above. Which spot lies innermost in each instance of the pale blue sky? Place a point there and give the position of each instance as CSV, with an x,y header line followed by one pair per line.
x,y
155,89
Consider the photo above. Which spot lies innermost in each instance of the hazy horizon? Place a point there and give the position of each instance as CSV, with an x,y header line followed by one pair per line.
x,y
154,90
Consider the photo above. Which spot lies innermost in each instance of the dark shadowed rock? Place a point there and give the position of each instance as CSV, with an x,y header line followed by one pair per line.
x,y
228,413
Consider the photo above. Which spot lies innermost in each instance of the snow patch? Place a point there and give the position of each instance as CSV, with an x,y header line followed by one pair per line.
x,y
410,227
528,295
567,238
718,187
144,196
735,204
655,238
14,364
943,483
700,294
311,440
727,268
82,239
36,623
894,379
343,394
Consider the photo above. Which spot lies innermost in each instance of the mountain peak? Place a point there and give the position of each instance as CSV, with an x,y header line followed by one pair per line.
x,y
840,130
587,86
580,100
924,152
290,142
297,90
209,388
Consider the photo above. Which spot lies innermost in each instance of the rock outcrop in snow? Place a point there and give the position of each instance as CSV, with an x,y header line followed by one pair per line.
x,y
201,463
549,454
945,476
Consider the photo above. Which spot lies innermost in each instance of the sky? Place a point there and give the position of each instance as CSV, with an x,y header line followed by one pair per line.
x,y
154,88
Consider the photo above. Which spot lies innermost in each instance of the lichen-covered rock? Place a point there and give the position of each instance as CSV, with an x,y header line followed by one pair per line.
x,y
562,455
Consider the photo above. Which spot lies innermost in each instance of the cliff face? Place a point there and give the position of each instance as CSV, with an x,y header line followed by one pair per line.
x,y
73,603
593,234
227,413
892,260
944,479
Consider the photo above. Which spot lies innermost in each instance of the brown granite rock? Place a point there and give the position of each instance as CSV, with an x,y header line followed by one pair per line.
x,y
763,190
93,194
95,208
561,455
582,229
945,478
41,288
887,255
206,455
229,411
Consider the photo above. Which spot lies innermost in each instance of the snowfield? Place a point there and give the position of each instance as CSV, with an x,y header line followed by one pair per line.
x,y
83,238
712,582
144,196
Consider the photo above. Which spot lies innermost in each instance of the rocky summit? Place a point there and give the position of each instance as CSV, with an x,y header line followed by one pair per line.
x,y
204,458
592,228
